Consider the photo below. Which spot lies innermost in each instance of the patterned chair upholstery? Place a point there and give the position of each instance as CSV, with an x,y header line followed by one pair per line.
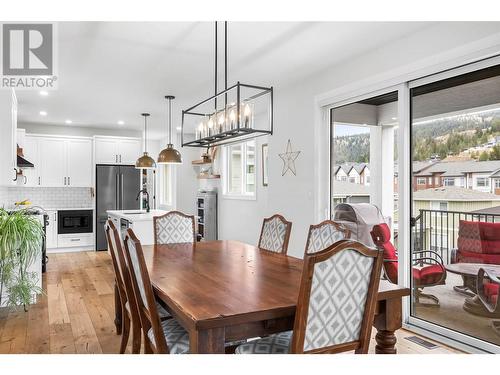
x,y
336,303
275,234
166,336
174,227
325,234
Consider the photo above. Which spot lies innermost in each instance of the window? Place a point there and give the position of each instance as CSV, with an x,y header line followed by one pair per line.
x,y
497,183
449,181
239,176
421,181
166,185
483,182
439,206
352,180
343,178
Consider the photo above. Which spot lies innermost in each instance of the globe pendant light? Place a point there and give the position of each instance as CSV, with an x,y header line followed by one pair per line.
x,y
145,161
169,155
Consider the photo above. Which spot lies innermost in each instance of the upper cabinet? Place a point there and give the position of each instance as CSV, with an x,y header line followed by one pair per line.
x,y
59,161
79,162
111,150
8,124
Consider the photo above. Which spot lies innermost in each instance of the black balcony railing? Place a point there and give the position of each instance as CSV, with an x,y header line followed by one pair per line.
x,y
435,230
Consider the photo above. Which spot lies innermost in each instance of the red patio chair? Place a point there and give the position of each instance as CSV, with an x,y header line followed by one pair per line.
x,y
488,290
428,269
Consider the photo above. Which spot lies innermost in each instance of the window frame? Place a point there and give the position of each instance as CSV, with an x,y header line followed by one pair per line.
x,y
243,194
446,181
419,180
166,176
486,182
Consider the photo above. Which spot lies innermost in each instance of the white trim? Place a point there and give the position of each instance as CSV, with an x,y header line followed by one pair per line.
x,y
452,72
466,54
225,172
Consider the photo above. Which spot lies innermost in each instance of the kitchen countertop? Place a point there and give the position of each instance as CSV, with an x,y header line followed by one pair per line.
x,y
136,215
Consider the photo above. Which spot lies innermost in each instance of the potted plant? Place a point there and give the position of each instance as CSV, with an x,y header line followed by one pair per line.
x,y
21,237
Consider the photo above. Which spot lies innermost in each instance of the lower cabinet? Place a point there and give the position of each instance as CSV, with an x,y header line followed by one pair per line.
x,y
51,234
75,240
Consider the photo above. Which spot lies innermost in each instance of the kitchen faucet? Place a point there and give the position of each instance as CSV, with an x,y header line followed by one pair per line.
x,y
144,191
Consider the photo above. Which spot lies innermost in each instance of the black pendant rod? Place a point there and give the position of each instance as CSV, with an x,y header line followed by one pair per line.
x,y
215,66
225,62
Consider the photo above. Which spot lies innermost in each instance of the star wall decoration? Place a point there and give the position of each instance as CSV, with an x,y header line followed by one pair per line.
x,y
288,158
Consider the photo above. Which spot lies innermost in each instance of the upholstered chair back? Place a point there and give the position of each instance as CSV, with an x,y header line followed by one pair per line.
x,y
275,234
113,244
325,234
337,299
174,227
143,292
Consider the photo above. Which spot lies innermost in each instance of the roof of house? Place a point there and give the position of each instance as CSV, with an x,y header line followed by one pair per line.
x,y
419,166
490,211
459,168
345,188
451,193
346,167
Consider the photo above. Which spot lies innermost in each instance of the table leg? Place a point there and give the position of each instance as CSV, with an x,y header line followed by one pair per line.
x,y
118,312
469,287
209,341
387,321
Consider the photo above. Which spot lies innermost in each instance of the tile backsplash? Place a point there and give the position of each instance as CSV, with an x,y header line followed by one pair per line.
x,y
48,198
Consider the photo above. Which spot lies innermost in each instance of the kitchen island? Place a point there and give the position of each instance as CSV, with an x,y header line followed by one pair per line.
x,y
140,221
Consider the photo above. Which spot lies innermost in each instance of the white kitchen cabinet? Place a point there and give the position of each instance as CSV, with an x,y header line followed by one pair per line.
x,y
51,235
59,161
79,162
31,152
8,124
115,150
53,163
129,150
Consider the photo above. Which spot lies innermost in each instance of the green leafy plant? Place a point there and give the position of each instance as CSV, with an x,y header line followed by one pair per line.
x,y
21,236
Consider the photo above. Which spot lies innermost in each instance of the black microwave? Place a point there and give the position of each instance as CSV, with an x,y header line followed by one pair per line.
x,y
74,221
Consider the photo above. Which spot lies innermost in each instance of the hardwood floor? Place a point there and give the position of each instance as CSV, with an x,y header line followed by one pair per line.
x,y
76,314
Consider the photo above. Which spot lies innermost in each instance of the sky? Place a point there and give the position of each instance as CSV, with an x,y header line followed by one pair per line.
x,y
342,130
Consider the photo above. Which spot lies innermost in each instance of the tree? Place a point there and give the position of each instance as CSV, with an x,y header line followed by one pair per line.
x,y
495,153
484,156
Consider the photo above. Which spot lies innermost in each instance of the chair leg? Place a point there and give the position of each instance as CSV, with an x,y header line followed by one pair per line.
x,y
147,345
125,333
419,294
136,339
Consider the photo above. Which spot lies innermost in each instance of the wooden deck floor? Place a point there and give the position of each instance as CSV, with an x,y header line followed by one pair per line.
x,y
76,314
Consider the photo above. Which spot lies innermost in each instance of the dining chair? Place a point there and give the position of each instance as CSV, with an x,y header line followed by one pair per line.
x,y
325,234
174,227
275,234
336,305
130,315
166,336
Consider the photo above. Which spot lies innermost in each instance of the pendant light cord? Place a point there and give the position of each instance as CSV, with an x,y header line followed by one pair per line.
x,y
215,93
145,134
169,120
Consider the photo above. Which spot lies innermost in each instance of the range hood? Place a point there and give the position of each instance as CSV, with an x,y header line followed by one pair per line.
x,y
21,161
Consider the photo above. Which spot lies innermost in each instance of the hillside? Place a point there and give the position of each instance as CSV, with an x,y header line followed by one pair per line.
x,y
443,137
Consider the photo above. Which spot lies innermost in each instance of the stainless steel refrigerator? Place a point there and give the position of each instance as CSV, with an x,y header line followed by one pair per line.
x,y
116,189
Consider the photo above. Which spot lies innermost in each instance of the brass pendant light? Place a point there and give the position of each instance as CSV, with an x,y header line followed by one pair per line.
x,y
169,155
145,161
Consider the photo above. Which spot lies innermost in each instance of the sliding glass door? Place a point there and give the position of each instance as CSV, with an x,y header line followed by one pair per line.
x,y
455,204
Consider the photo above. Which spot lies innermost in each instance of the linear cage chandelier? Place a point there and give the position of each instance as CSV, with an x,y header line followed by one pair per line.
x,y
237,113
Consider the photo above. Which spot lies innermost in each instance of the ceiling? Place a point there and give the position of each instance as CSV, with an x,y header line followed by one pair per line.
x,y
111,71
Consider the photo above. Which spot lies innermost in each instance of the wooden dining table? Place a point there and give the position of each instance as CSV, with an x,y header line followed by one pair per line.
x,y
223,291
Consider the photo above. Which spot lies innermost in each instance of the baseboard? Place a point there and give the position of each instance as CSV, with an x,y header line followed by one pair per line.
x,y
69,249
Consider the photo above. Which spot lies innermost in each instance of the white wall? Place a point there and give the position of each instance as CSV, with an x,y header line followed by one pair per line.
x,y
293,196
